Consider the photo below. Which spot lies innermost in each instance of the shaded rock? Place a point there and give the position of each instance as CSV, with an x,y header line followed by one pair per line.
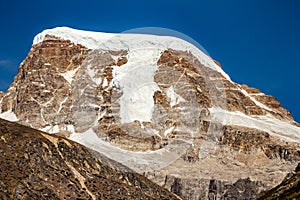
x,y
289,188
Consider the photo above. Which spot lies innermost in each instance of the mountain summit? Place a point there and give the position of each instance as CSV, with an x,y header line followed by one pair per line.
x,y
158,105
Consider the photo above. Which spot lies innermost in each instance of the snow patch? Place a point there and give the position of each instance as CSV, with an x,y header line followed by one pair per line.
x,y
92,74
269,124
71,128
50,129
68,75
169,130
46,129
105,83
174,97
9,115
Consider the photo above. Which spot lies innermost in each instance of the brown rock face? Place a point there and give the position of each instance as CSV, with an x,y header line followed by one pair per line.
x,y
36,165
39,88
277,110
235,99
248,140
68,89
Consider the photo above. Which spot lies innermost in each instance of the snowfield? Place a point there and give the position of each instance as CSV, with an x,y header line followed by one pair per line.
x,y
125,41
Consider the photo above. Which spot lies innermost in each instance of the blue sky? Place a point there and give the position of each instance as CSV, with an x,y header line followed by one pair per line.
x,y
256,41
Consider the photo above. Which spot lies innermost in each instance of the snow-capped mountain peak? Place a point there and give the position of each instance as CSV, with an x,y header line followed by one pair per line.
x,y
153,103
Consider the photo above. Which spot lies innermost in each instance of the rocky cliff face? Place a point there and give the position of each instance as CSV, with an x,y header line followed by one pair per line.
x,y
36,165
159,106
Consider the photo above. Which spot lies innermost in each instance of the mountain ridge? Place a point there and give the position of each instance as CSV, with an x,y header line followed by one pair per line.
x,y
35,164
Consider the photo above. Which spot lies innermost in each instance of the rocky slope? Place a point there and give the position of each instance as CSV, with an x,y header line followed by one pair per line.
x,y
36,165
159,106
288,189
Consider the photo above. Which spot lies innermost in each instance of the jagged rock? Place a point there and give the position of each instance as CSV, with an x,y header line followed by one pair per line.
x,y
36,165
270,101
211,188
176,187
125,94
247,140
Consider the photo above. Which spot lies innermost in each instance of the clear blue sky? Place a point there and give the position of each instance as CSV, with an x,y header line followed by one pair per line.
x,y
257,41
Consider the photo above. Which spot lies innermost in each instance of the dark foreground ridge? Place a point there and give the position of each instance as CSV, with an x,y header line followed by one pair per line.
x,y
36,165
288,189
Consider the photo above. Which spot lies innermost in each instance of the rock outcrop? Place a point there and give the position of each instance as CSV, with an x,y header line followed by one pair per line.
x,y
159,106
